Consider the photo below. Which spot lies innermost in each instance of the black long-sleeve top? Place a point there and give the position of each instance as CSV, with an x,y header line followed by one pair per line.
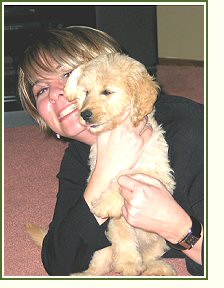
x,y
74,234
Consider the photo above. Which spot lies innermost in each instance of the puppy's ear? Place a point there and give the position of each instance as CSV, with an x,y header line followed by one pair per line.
x,y
71,85
144,93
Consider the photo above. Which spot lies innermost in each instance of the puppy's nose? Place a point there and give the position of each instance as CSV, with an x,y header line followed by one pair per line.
x,y
87,115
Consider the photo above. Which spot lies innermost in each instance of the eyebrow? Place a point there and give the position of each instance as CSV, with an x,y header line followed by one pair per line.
x,y
38,82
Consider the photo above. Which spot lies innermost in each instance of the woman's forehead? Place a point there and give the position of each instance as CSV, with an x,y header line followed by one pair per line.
x,y
43,73
45,77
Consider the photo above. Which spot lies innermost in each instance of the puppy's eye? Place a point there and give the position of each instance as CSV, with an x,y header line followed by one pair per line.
x,y
86,92
106,92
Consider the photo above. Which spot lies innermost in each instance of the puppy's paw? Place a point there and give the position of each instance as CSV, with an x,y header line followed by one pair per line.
x,y
105,212
159,268
103,208
130,269
80,274
99,211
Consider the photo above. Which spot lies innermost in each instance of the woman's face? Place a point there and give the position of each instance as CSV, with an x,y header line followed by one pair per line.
x,y
59,114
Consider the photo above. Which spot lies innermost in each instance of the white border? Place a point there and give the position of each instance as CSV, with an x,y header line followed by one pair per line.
x,y
103,282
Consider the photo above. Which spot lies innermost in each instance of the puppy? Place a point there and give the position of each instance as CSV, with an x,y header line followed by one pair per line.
x,y
103,88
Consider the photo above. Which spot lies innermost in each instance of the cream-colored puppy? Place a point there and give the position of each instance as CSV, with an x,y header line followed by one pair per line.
x,y
104,87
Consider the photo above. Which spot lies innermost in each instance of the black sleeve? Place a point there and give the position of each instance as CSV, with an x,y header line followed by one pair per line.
x,y
185,137
187,162
74,234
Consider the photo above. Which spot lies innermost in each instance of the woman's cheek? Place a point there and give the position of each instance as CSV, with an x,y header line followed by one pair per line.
x,y
44,108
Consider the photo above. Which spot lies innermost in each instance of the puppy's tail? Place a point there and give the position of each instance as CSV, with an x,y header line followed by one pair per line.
x,y
36,233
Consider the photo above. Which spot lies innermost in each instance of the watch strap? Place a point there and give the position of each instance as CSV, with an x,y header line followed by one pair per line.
x,y
189,240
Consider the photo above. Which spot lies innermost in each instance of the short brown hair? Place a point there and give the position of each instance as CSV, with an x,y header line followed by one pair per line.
x,y
69,47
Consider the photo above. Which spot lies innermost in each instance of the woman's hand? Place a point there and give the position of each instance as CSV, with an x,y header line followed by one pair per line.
x,y
149,206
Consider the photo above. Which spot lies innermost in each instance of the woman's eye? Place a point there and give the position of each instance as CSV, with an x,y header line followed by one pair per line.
x,y
66,75
41,92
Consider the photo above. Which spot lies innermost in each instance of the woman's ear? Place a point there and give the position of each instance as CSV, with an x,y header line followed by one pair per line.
x,y
144,95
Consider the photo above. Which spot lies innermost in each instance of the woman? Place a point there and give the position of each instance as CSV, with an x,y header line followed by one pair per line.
x,y
75,233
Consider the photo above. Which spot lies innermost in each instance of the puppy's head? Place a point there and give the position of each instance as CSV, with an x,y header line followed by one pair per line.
x,y
106,86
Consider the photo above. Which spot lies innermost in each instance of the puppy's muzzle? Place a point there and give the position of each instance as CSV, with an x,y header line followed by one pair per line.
x,y
87,115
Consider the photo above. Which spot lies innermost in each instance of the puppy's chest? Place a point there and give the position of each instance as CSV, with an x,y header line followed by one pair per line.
x,y
155,154
154,159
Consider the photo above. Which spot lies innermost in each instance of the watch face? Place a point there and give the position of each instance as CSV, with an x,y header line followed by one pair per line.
x,y
189,241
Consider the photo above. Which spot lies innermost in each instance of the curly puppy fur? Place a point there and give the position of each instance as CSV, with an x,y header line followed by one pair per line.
x,y
104,87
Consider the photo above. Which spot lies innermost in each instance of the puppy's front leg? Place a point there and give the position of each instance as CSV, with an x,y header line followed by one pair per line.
x,y
109,203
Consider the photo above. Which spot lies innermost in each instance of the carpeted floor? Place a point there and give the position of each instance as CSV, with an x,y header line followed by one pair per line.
x,y
187,81
31,162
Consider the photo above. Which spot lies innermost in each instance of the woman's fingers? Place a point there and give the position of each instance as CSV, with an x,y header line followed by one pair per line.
x,y
146,179
127,182
131,182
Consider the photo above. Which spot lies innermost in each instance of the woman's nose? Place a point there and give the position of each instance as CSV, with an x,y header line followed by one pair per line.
x,y
56,90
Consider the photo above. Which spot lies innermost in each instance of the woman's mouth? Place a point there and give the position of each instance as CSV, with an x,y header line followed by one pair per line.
x,y
66,111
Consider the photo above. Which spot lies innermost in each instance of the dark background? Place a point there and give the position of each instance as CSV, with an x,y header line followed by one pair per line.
x,y
134,27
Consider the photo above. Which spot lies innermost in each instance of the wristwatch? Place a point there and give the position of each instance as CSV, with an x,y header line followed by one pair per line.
x,y
190,239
